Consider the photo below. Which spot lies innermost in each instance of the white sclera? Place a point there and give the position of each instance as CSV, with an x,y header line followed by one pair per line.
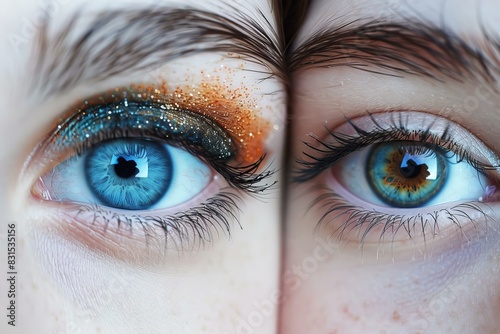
x,y
66,182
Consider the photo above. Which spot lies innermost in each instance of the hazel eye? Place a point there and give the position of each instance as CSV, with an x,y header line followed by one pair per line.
x,y
129,174
405,174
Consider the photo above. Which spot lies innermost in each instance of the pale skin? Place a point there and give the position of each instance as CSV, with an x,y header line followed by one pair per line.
x,y
444,284
85,281
68,283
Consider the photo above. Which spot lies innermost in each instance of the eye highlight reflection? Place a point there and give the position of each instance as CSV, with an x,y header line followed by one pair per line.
x,y
399,175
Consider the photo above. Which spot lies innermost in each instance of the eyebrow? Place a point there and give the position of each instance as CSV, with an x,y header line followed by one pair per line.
x,y
398,49
119,42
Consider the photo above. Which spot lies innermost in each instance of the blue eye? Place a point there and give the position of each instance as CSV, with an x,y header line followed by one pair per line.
x,y
130,174
408,175
142,161
145,151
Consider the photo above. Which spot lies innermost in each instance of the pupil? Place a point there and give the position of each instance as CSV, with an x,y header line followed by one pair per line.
x,y
126,169
411,170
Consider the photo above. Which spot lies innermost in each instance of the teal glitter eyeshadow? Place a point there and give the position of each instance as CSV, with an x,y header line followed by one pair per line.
x,y
127,115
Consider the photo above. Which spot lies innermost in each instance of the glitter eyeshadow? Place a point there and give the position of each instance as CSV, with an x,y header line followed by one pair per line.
x,y
221,123
159,120
233,109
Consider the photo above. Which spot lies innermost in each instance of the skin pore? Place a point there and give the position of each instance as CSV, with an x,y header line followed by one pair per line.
x,y
369,62
84,269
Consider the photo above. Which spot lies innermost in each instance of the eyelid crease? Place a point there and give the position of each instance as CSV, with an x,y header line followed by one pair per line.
x,y
341,145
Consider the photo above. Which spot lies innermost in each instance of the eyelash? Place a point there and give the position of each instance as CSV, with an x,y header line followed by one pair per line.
x,y
241,177
217,211
342,145
327,154
367,220
184,229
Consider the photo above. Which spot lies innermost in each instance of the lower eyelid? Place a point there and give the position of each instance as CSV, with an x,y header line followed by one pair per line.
x,y
343,215
40,191
350,223
334,186
121,235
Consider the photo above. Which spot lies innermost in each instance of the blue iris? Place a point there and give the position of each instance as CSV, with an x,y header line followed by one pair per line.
x,y
405,174
131,174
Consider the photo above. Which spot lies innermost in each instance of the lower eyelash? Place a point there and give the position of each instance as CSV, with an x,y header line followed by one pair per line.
x,y
362,222
184,229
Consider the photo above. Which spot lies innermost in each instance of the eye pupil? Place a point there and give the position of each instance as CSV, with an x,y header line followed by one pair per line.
x,y
126,169
412,169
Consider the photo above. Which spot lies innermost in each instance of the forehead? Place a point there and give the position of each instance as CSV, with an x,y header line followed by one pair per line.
x,y
463,16
21,23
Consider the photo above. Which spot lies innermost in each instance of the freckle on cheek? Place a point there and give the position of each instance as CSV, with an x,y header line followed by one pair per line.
x,y
396,316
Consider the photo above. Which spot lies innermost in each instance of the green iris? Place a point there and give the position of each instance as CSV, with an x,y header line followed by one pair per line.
x,y
406,174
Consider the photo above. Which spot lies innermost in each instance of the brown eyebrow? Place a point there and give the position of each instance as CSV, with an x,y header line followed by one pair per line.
x,y
398,49
124,41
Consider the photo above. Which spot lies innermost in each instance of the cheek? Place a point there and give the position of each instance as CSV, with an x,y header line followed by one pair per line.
x,y
441,286
93,291
92,287
103,293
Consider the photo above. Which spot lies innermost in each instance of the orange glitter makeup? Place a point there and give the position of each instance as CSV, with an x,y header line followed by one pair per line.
x,y
232,109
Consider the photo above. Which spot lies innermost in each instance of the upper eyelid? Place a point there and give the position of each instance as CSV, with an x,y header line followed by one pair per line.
x,y
169,118
127,51
312,165
239,127
224,107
